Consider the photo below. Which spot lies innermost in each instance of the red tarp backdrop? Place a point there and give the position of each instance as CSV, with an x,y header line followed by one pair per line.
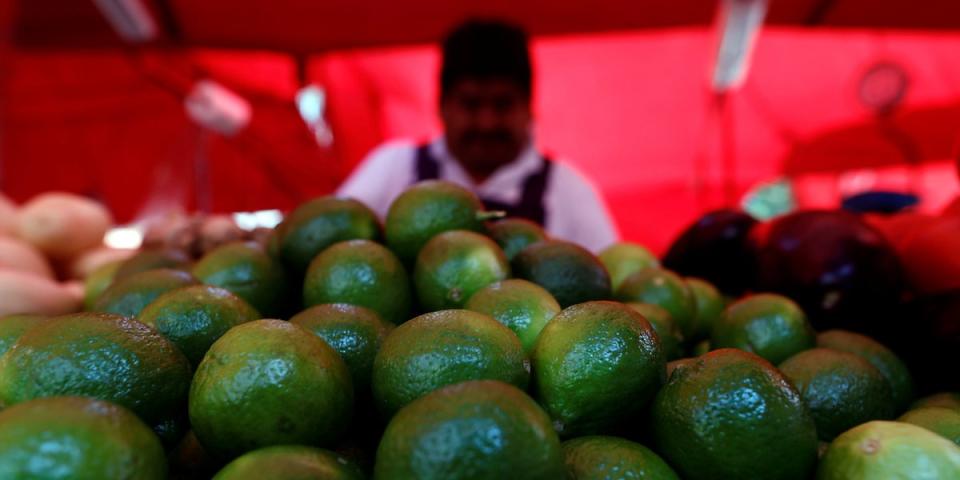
x,y
631,110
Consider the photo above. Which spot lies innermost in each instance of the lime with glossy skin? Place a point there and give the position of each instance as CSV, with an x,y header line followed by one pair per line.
x,y
245,269
196,316
319,223
102,356
710,305
77,438
842,390
731,414
671,339
471,430
427,209
360,272
596,365
269,382
770,325
12,327
442,348
355,332
453,266
521,306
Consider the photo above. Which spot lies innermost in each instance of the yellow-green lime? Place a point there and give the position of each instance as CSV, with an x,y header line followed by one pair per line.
x,y
521,306
98,281
471,430
940,420
442,348
624,259
269,382
153,259
944,399
596,365
889,450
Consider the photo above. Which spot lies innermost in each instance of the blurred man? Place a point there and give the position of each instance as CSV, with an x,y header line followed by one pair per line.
x,y
487,145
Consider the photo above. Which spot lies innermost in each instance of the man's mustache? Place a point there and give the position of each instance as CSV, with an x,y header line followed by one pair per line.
x,y
500,136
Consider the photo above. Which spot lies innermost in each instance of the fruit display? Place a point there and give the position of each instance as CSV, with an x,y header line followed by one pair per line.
x,y
446,342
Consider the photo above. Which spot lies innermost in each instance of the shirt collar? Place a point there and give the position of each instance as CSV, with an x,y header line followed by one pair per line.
x,y
506,182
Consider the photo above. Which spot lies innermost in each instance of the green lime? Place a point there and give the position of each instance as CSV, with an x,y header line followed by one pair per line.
x,y
894,450
77,438
315,225
944,399
624,259
98,281
770,325
453,266
247,271
841,389
471,430
596,365
196,316
710,305
443,348
677,364
671,339
360,272
665,289
521,306
568,271
355,332
269,382
731,414
12,327
605,458
515,234
130,295
152,259
879,356
940,420
701,348
290,462
102,356
427,209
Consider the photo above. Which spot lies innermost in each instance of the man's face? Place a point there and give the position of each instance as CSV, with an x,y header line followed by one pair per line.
x,y
486,121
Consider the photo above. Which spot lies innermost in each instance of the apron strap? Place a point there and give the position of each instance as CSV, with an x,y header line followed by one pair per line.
x,y
531,204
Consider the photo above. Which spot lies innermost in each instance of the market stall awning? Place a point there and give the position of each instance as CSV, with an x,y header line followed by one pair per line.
x,y
311,26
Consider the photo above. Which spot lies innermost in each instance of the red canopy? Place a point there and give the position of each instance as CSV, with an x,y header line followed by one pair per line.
x,y
631,109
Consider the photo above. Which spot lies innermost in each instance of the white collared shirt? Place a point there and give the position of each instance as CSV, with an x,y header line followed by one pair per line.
x,y
574,210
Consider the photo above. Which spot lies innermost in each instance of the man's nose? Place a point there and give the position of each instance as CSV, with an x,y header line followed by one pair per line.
x,y
486,118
